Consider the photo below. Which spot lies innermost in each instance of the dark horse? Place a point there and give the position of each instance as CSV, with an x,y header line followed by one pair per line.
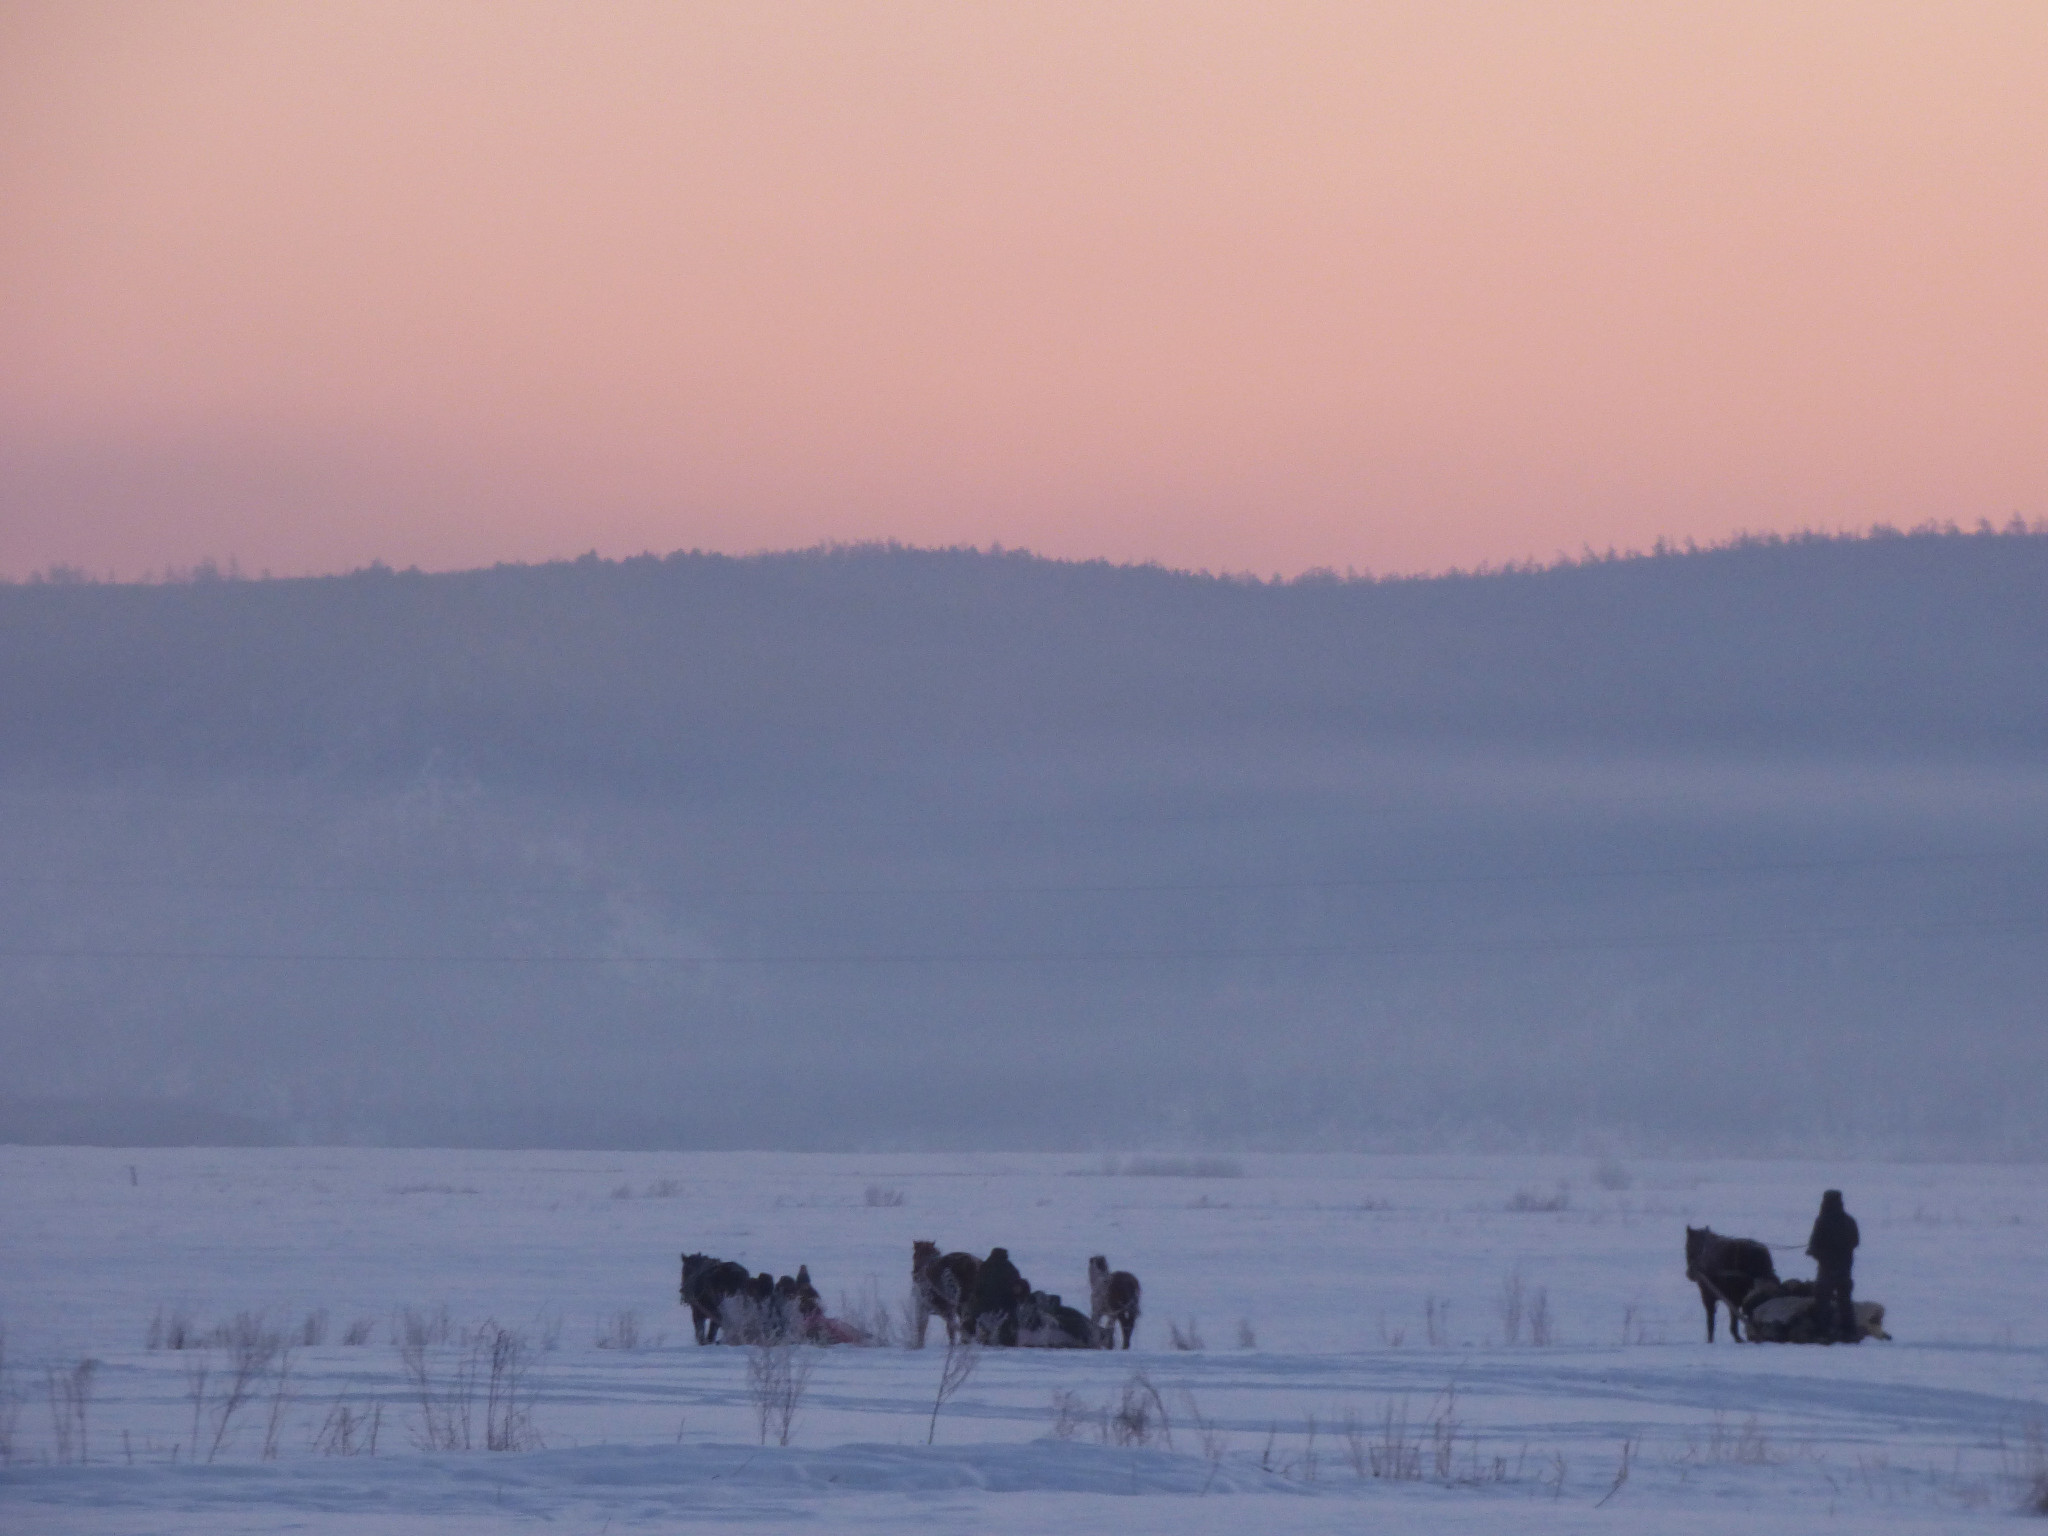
x,y
706,1284
1112,1299
1727,1269
942,1284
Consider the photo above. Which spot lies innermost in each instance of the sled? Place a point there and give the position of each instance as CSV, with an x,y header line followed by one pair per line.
x,y
1786,1315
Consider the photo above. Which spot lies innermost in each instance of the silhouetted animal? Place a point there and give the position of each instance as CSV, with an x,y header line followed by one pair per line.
x,y
707,1282
756,1312
943,1285
1112,1300
1726,1269
998,1290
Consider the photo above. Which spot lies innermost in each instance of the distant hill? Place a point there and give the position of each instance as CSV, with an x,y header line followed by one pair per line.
x,y
1738,847
649,671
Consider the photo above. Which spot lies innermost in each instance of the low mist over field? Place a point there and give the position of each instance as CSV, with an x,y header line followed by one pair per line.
x,y
1736,851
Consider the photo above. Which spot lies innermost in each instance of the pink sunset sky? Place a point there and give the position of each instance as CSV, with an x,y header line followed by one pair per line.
x,y
1251,286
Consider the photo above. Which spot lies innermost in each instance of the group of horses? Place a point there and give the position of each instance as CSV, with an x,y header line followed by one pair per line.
x,y
757,1309
988,1302
983,1301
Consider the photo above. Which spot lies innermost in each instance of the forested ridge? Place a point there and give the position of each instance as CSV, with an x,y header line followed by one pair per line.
x,y
646,670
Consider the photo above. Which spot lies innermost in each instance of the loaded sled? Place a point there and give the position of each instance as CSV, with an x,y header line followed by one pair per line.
x,y
1786,1313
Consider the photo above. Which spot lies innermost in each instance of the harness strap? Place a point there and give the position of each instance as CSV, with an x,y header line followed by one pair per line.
x,y
1708,1281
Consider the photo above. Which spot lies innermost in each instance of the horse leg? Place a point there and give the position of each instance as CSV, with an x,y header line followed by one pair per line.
x,y
924,1321
1707,1300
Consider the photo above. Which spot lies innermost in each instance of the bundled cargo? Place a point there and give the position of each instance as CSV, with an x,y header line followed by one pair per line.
x,y
1789,1312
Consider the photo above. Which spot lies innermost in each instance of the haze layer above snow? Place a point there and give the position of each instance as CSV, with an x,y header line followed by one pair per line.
x,y
1740,850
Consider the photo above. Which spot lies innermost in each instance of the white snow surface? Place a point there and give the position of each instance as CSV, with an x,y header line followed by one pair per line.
x,y
1334,1263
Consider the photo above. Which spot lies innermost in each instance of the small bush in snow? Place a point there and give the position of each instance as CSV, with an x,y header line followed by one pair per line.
x,y
1311,1460
70,1395
961,1358
865,1310
2030,1469
619,1331
1529,1201
419,1329
1188,1338
172,1330
1628,1451
1746,1445
488,1374
1519,1306
10,1410
1069,1412
1215,1443
1396,1453
1511,1305
883,1195
1140,1416
1393,1453
508,1404
280,1402
905,1320
250,1348
777,1377
245,1333
1610,1174
349,1431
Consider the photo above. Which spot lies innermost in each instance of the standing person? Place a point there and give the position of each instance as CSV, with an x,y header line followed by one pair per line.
x,y
995,1298
1833,1250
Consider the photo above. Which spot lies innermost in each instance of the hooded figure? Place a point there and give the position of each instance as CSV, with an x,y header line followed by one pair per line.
x,y
1832,1247
996,1293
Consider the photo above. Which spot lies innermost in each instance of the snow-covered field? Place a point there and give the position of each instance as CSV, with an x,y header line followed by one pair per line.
x,y
1353,1309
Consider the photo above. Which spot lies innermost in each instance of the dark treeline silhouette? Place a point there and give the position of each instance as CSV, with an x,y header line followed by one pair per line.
x,y
647,672
1732,845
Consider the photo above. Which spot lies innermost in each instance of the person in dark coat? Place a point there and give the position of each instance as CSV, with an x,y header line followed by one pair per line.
x,y
996,1294
1833,1250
